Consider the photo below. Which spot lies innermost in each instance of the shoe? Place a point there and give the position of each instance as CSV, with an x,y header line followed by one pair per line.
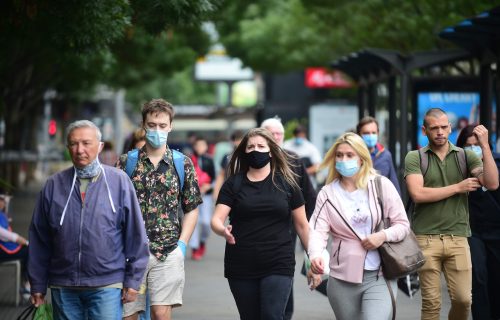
x,y
195,255
201,250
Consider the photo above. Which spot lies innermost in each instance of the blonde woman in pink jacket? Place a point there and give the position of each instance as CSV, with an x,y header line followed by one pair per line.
x,y
348,211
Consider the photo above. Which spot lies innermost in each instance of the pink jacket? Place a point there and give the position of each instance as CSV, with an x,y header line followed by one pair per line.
x,y
347,256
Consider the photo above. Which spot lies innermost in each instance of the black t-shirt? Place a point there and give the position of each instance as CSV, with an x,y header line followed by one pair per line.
x,y
261,219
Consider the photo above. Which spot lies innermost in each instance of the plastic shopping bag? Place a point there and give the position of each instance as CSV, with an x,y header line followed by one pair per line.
x,y
43,312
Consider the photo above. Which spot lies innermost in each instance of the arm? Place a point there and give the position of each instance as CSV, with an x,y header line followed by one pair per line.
x,y
488,177
319,227
395,213
136,250
217,223
301,225
40,250
188,225
421,194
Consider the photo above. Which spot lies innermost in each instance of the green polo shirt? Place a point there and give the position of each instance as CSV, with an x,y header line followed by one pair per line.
x,y
448,216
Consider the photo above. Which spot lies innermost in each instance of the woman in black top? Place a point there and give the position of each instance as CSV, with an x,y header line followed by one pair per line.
x,y
484,218
261,199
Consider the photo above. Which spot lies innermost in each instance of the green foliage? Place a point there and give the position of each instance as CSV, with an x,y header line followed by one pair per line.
x,y
279,36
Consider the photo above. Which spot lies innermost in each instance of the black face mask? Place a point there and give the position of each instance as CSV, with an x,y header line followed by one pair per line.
x,y
257,159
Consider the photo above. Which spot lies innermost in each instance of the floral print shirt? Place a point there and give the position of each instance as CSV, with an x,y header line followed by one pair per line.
x,y
158,194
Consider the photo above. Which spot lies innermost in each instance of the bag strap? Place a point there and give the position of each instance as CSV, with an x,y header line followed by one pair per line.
x,y
177,157
132,159
26,314
460,156
393,300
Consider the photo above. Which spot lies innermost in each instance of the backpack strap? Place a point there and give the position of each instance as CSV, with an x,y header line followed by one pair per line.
x,y
424,161
461,158
132,158
178,158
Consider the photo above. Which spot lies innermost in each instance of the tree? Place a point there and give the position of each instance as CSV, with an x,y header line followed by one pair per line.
x,y
71,45
280,36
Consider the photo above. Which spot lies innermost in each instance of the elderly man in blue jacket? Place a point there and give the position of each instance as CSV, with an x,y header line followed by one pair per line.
x,y
87,237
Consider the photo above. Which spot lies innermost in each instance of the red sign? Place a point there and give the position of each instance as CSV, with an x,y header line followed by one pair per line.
x,y
322,78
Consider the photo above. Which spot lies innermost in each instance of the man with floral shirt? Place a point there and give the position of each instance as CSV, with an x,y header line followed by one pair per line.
x,y
158,190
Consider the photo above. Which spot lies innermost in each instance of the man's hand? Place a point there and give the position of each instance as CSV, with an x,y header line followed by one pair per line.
x,y
313,280
481,134
468,185
37,299
128,295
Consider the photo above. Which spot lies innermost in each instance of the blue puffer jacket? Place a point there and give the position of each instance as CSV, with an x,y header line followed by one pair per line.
x,y
382,162
93,246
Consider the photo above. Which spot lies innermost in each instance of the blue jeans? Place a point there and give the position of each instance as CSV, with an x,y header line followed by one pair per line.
x,y
98,304
261,299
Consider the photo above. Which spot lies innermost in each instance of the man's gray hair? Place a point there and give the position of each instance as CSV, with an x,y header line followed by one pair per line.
x,y
272,122
83,124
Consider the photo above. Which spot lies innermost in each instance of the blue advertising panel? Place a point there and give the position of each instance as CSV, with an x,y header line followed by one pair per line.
x,y
462,109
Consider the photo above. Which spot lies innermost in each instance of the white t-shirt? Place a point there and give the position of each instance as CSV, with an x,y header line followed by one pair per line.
x,y
354,206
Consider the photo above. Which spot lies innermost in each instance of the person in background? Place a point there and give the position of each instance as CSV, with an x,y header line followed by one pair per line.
x,y
158,187
12,245
108,155
236,138
138,139
206,177
368,129
87,236
275,127
484,242
306,151
262,199
441,215
348,210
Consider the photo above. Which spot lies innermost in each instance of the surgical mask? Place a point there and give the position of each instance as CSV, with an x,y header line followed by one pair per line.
x,y
257,159
347,168
370,140
76,174
156,138
477,150
89,171
299,141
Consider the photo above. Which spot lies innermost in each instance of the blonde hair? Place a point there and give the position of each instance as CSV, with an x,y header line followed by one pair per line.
x,y
279,160
359,146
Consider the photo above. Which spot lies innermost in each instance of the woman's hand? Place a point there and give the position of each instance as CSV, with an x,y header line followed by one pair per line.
x,y
313,280
228,235
374,240
317,265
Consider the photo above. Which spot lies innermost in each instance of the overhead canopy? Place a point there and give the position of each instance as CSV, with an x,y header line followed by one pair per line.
x,y
479,35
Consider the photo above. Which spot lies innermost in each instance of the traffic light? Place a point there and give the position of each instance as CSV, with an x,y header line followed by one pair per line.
x,y
52,128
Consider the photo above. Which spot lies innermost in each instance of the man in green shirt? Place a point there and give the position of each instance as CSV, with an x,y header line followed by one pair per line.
x,y
441,216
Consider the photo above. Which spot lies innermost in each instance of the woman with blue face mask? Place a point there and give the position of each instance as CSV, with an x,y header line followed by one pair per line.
x,y
484,218
347,209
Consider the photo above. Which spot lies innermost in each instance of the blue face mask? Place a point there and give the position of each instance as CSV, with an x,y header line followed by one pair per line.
x,y
477,150
156,138
299,141
370,140
347,168
89,171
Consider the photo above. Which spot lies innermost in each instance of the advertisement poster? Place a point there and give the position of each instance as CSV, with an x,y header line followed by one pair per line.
x,y
462,109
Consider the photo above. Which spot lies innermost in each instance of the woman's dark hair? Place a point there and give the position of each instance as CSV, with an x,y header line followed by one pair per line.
x,y
465,134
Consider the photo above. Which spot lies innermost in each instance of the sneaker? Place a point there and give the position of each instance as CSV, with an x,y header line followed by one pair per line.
x,y
201,250
195,255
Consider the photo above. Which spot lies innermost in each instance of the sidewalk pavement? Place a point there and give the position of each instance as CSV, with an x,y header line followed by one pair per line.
x,y
206,293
